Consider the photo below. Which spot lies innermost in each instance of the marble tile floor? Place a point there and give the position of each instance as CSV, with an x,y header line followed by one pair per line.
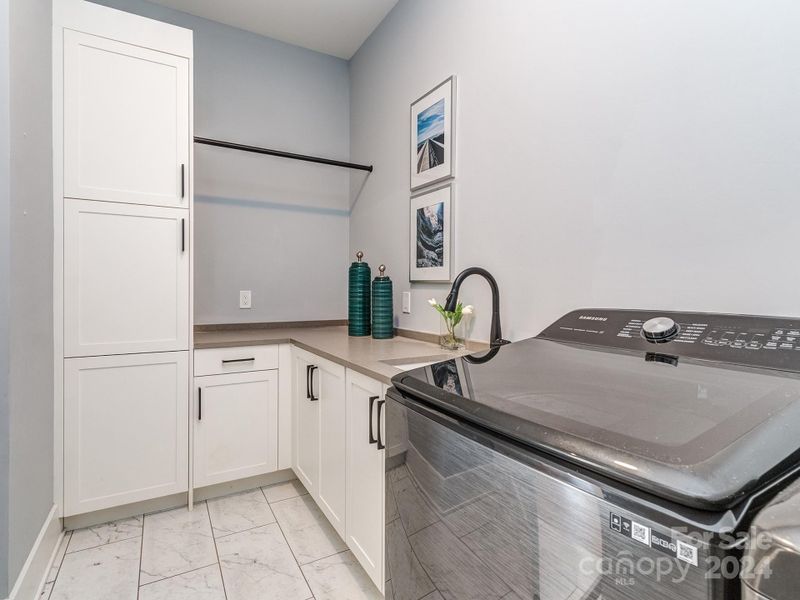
x,y
264,544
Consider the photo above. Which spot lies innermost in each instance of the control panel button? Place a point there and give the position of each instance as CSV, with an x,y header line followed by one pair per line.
x,y
660,329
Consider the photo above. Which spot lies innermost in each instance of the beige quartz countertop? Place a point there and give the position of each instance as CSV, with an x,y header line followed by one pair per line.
x,y
363,354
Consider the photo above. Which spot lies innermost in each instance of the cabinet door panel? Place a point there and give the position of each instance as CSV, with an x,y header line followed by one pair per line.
x,y
306,424
126,122
329,385
236,435
125,429
126,278
365,474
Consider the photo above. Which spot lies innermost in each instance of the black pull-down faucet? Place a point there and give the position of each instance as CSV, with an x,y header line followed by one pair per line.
x,y
495,335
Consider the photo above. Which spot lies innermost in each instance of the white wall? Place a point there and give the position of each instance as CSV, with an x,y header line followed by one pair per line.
x,y
30,232
5,263
610,152
273,226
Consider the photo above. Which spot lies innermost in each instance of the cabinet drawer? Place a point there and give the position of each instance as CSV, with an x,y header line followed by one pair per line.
x,y
218,361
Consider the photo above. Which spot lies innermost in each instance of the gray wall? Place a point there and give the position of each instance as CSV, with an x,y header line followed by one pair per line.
x,y
610,153
31,221
270,225
5,261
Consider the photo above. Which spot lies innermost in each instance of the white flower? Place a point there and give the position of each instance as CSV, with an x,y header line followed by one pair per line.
x,y
467,310
433,302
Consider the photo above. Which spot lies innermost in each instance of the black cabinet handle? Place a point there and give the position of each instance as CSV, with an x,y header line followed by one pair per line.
x,y
199,404
228,361
183,235
183,180
380,437
310,382
372,399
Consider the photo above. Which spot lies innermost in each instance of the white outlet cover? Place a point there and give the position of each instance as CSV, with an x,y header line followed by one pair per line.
x,y
407,303
245,299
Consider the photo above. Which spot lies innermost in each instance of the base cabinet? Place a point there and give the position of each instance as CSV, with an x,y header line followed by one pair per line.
x,y
332,491
365,473
320,426
306,422
235,426
125,434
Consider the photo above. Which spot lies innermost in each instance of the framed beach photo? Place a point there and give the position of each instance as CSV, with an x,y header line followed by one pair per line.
x,y
431,227
433,135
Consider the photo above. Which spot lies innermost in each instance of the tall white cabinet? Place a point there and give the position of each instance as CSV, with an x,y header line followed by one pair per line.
x,y
124,198
126,122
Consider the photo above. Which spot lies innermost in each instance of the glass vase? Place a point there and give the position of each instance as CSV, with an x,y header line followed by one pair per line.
x,y
451,337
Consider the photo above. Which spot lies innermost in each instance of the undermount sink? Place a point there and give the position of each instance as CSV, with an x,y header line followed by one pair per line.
x,y
407,364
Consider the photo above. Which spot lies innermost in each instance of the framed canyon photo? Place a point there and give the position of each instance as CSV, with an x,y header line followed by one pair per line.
x,y
431,227
433,135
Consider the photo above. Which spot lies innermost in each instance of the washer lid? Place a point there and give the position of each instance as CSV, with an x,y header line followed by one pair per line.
x,y
698,432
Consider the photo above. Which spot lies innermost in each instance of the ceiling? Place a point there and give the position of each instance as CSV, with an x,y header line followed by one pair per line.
x,y
336,27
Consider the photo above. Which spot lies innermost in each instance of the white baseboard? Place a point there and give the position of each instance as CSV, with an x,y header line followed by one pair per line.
x,y
37,566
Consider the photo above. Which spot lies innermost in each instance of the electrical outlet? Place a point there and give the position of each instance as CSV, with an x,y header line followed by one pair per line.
x,y
407,303
245,299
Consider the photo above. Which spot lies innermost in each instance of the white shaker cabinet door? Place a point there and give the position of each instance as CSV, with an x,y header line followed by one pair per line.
x,y
236,426
125,429
328,385
306,422
365,473
126,122
126,278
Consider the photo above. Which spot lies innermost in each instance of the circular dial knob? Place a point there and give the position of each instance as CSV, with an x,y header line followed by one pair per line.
x,y
660,329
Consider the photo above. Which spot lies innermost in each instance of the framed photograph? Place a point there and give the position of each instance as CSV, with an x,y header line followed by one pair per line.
x,y
431,226
433,135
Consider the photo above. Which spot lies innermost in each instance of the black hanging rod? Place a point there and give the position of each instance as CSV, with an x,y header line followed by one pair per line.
x,y
282,154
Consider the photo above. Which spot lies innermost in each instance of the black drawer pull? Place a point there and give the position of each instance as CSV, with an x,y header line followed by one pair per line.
x,y
310,383
228,361
380,437
372,439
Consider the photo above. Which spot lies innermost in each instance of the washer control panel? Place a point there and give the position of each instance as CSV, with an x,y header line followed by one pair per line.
x,y
751,340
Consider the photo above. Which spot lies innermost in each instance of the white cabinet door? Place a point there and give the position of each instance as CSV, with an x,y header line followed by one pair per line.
x,y
125,429
126,122
365,473
306,422
328,385
126,278
236,426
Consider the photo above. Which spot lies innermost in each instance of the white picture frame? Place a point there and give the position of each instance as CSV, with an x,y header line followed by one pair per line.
x,y
431,235
432,136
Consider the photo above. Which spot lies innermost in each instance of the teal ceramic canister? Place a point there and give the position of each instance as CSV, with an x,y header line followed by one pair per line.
x,y
359,299
382,306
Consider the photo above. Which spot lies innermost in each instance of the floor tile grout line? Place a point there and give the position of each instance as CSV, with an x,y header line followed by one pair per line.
x,y
67,539
288,545
61,562
149,583
242,531
125,539
141,553
285,499
316,560
216,550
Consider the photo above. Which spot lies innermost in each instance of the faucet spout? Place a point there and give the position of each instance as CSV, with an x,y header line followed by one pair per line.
x,y
495,335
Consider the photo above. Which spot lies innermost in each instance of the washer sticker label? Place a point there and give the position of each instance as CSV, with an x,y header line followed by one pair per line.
x,y
644,535
687,553
640,533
